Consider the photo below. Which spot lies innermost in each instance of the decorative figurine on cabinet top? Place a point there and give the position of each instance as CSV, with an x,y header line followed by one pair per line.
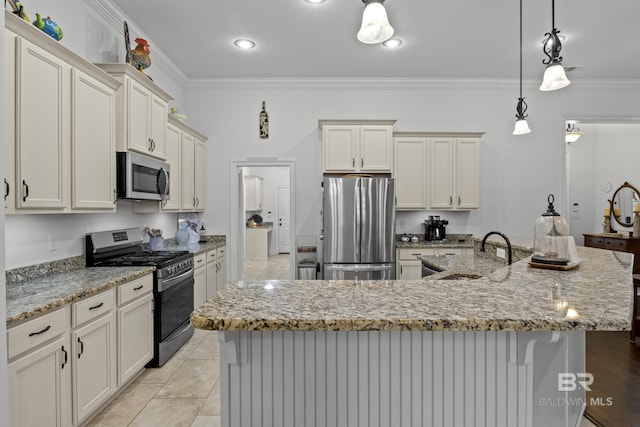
x,y
48,26
264,122
139,57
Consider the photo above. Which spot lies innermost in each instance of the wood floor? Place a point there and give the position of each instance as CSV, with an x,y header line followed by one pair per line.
x,y
614,399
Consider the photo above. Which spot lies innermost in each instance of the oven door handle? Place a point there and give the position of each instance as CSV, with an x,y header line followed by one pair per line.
x,y
166,284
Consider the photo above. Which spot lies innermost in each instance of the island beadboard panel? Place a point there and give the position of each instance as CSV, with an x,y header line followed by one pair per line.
x,y
409,378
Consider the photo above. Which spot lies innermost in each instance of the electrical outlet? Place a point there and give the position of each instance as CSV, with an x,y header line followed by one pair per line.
x,y
501,253
53,243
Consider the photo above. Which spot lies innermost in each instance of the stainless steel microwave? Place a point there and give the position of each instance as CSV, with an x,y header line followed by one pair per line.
x,y
141,177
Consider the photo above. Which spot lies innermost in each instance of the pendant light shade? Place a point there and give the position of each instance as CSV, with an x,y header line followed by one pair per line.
x,y
554,78
375,24
521,127
554,75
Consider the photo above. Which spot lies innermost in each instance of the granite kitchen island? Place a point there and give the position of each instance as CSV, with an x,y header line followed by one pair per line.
x,y
484,352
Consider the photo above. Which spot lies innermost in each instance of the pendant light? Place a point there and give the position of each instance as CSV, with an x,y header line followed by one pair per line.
x,y
522,127
375,24
572,134
554,75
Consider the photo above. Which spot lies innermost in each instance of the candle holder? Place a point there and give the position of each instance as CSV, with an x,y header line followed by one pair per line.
x,y
606,225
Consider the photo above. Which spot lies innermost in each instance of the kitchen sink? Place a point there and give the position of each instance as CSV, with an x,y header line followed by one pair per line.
x,y
457,276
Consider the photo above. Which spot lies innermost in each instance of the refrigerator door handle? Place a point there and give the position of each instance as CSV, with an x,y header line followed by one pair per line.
x,y
359,267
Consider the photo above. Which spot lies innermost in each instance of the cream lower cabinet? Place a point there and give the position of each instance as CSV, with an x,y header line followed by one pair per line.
x,y
135,327
216,270
199,279
357,146
39,371
93,342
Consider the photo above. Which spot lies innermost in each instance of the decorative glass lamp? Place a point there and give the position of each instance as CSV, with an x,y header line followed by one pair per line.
x,y
553,247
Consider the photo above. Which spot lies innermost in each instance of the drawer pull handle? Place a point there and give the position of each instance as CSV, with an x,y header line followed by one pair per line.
x,y
81,347
96,306
137,288
65,357
41,332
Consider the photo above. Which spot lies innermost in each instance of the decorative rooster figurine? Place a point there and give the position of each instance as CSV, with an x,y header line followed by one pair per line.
x,y
139,57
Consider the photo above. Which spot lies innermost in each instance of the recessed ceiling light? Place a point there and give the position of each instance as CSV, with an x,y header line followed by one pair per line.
x,y
244,44
392,43
314,1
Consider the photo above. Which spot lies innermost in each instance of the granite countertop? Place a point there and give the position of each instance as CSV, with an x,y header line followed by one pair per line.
x,y
38,296
211,242
596,295
261,225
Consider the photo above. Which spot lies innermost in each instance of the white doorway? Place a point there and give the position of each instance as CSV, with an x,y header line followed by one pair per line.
x,y
269,212
284,220
596,164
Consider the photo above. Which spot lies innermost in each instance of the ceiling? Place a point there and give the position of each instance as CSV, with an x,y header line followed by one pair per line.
x,y
466,39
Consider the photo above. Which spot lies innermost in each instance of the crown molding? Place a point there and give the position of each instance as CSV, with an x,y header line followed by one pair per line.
x,y
389,84
114,16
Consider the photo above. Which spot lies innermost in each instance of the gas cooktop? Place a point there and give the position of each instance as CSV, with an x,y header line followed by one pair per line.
x,y
157,258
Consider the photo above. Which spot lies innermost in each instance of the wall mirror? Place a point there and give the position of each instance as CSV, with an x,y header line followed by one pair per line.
x,y
622,204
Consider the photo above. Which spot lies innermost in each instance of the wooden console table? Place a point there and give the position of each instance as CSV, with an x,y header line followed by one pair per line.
x,y
622,244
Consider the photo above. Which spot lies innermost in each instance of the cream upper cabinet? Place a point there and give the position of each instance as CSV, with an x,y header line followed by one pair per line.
x,y
468,173
60,119
142,112
199,175
455,173
437,171
357,146
93,143
9,121
441,168
42,114
253,193
174,158
188,172
410,172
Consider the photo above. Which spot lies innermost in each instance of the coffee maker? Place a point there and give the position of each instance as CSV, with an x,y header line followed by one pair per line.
x,y
435,228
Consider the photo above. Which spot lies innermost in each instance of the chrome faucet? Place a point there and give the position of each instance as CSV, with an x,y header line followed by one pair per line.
x,y
484,239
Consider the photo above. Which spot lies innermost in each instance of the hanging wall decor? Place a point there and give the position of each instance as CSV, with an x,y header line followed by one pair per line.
x,y
264,122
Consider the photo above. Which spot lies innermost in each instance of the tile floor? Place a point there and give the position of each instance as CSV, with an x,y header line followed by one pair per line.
x,y
186,390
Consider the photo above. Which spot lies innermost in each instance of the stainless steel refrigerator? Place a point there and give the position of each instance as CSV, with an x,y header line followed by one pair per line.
x,y
359,228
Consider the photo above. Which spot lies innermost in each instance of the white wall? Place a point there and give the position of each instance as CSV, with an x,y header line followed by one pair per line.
x,y
517,174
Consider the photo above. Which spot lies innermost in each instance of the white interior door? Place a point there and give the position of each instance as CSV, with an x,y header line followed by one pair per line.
x,y
284,220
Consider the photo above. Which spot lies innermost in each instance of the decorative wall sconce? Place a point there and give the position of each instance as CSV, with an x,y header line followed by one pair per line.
x,y
572,134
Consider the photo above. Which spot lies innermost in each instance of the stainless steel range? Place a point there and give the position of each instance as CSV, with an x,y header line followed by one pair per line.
x,y
172,284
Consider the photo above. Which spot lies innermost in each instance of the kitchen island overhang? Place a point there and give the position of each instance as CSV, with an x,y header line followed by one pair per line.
x,y
491,351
